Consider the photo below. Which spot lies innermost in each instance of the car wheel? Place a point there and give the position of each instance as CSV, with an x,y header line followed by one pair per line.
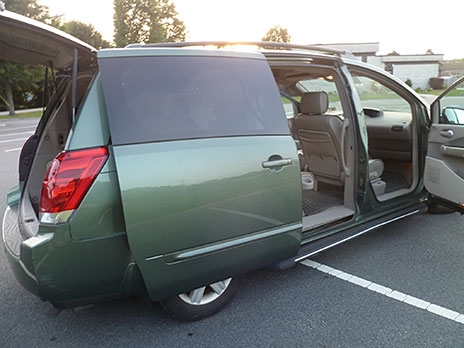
x,y
202,302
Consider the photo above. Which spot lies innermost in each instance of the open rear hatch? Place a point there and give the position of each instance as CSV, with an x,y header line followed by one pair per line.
x,y
27,41
24,40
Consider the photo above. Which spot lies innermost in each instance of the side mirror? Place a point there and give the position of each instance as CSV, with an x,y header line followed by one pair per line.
x,y
452,115
290,110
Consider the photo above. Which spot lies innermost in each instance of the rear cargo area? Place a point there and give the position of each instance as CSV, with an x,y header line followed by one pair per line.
x,y
50,139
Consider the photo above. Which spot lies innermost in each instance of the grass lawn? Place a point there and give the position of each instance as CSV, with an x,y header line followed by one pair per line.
x,y
33,114
453,93
332,98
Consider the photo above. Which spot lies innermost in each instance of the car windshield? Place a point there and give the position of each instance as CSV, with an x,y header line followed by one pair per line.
x,y
168,98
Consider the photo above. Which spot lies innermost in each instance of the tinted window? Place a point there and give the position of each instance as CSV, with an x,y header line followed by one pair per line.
x,y
166,98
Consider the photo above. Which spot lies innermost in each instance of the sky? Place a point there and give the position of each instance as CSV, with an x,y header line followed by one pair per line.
x,y
406,26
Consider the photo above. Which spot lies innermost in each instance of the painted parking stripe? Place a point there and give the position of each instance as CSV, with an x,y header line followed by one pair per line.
x,y
2,125
11,150
396,295
22,127
12,140
22,133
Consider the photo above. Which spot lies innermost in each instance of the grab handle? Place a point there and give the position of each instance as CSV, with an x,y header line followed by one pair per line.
x,y
346,124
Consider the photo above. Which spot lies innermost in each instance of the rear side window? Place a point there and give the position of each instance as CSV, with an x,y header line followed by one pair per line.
x,y
168,98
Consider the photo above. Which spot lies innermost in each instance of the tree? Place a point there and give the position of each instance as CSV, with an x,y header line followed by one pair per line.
x,y
86,33
429,51
174,29
137,21
393,53
277,34
18,76
28,8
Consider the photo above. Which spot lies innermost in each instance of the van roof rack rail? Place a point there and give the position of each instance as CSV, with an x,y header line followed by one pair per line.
x,y
261,44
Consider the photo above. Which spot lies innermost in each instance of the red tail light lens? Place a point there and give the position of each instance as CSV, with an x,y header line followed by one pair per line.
x,y
69,177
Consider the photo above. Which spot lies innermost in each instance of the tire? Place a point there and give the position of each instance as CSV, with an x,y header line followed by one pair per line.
x,y
202,302
435,208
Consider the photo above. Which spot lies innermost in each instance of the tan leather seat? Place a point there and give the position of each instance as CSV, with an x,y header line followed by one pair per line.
x,y
320,138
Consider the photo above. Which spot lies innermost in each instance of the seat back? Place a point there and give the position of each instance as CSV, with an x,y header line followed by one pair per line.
x,y
320,138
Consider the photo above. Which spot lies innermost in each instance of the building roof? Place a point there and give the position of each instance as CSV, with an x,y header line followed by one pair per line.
x,y
447,64
355,47
413,58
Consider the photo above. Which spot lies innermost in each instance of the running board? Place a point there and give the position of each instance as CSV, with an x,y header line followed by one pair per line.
x,y
335,239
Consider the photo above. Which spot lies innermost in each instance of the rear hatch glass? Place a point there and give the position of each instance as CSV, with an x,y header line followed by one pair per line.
x,y
177,97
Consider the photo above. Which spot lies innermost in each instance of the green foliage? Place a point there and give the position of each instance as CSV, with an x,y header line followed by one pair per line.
x,y
20,83
33,114
375,96
131,22
86,33
277,34
408,82
28,8
31,9
19,75
137,21
453,93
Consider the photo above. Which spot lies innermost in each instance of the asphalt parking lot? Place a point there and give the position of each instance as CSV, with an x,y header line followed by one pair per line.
x,y
421,256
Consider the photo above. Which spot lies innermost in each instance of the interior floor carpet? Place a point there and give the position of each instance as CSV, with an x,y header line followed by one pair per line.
x,y
327,196
394,181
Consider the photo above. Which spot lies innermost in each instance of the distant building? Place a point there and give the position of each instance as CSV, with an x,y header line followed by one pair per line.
x,y
361,50
450,72
418,68
451,68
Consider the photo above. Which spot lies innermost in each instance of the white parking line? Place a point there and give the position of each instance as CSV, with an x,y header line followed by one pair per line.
x,y
8,134
396,295
10,150
2,125
22,127
11,140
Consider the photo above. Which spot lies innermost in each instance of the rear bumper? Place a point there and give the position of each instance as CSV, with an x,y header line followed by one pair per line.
x,y
12,241
65,272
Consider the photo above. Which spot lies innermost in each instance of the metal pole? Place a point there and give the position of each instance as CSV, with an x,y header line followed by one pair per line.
x,y
45,91
74,84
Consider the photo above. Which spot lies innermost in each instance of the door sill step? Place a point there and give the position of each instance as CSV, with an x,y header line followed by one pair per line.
x,y
325,217
330,241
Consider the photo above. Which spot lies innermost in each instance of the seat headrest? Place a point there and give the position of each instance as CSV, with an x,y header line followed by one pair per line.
x,y
314,103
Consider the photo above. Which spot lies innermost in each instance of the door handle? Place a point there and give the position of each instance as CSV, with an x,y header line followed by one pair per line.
x,y
455,151
277,163
447,133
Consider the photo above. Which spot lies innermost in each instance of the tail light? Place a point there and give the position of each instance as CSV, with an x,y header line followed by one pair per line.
x,y
67,181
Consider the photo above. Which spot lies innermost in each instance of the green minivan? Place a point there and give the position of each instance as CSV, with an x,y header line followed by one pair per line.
x,y
169,170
